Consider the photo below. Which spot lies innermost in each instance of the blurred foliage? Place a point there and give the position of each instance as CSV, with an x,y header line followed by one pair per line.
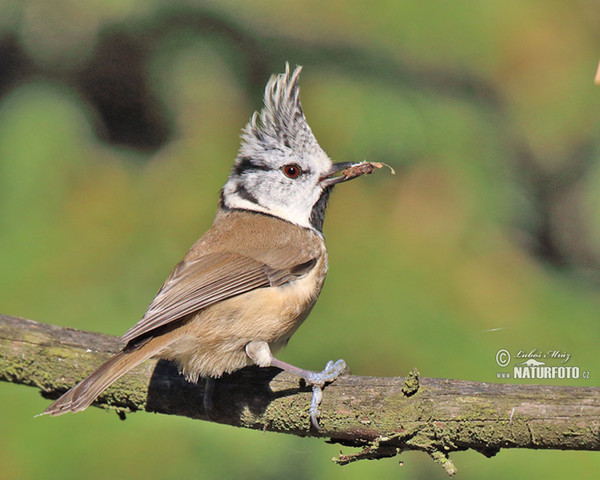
x,y
119,122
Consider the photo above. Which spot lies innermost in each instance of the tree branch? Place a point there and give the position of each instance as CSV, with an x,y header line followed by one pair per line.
x,y
383,415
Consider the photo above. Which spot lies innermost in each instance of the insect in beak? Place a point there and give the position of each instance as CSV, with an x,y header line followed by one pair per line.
x,y
328,179
349,171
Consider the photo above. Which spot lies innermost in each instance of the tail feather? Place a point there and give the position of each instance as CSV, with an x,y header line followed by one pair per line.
x,y
85,392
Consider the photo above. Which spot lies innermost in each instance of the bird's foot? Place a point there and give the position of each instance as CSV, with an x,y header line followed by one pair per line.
x,y
317,381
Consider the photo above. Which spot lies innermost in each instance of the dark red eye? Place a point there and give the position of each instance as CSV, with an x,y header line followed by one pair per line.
x,y
292,170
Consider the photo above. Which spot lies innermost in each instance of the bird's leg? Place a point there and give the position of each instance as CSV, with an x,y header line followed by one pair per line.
x,y
209,390
261,354
316,380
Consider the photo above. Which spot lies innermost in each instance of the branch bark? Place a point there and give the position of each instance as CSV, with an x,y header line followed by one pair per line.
x,y
384,416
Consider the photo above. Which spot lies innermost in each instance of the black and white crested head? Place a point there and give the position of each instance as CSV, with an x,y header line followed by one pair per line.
x,y
281,122
280,166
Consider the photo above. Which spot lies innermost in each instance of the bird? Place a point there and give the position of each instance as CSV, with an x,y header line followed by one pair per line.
x,y
249,282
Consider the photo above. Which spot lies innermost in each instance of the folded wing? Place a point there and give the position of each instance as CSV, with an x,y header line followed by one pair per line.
x,y
212,278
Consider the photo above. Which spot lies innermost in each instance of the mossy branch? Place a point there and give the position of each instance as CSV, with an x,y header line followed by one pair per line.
x,y
384,416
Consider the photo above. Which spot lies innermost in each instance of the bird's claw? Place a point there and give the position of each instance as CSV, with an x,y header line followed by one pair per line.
x,y
318,380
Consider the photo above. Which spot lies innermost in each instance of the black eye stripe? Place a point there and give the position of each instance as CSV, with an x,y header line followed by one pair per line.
x,y
249,164
246,164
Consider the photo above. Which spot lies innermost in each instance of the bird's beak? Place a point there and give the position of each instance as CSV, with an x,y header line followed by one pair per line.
x,y
328,179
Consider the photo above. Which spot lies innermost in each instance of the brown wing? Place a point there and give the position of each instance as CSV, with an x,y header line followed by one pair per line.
x,y
195,285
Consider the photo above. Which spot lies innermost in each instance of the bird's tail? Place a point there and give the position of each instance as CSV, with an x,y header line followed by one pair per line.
x,y
85,392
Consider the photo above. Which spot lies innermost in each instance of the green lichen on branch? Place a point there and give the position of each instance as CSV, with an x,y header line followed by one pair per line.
x,y
381,416
411,383
442,459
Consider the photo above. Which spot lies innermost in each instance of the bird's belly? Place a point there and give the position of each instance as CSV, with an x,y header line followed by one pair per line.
x,y
212,342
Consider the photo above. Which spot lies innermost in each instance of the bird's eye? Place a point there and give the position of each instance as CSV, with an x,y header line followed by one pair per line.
x,y
292,170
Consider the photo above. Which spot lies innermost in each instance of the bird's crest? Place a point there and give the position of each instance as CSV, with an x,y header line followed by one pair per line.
x,y
281,123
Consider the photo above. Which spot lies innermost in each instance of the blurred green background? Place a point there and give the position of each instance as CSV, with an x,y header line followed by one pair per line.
x,y
119,122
